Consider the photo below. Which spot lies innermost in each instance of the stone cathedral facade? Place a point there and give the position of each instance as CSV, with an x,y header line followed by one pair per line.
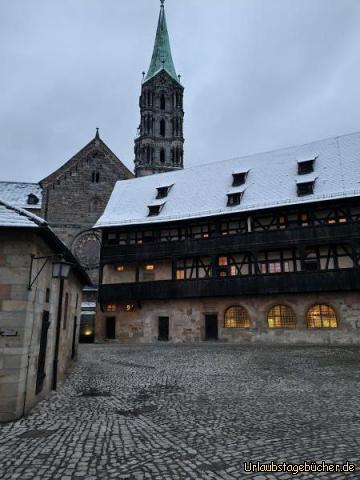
x,y
159,146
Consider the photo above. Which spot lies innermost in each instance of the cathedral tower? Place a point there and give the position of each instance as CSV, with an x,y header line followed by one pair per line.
x,y
159,144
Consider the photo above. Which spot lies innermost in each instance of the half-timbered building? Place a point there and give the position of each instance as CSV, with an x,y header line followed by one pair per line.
x,y
263,248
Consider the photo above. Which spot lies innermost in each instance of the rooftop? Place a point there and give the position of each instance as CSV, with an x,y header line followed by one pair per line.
x,y
12,216
271,181
161,57
17,194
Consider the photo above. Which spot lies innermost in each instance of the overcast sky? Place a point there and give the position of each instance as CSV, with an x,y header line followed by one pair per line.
x,y
258,74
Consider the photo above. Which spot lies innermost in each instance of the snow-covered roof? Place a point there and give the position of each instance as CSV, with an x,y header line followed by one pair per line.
x,y
17,194
11,216
272,180
88,305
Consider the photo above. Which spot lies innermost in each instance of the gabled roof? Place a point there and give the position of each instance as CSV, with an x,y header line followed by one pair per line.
x,y
271,182
17,194
96,142
161,57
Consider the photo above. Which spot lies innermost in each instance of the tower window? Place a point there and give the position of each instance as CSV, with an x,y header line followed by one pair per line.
x,y
162,127
162,102
234,199
95,177
305,188
162,156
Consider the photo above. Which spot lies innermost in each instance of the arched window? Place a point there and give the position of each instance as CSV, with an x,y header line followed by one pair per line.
x,y
162,156
236,317
162,102
162,127
95,205
321,316
281,316
95,177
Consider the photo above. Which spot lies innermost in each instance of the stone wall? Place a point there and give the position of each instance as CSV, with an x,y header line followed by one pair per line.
x,y
75,196
187,320
21,312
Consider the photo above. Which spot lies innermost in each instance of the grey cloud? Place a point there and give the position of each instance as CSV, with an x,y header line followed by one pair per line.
x,y
259,74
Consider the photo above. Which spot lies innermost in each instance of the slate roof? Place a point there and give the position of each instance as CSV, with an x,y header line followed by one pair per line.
x,y
272,181
161,57
16,193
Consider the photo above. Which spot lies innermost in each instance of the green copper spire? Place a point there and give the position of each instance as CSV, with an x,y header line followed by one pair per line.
x,y
161,58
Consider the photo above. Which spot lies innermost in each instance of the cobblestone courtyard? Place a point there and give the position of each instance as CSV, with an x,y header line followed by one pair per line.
x,y
190,412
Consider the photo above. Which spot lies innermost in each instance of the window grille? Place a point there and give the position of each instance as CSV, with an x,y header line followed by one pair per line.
x,y
236,317
321,316
281,316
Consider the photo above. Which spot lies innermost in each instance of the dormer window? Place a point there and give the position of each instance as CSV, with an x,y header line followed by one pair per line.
x,y
32,199
234,199
305,188
239,178
154,210
306,167
163,192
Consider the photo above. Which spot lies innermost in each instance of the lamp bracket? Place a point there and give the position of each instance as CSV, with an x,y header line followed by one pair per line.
x,y
33,258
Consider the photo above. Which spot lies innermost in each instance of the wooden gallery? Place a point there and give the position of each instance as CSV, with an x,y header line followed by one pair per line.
x,y
264,248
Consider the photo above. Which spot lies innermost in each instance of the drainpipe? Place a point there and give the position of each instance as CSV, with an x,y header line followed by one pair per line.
x,y
57,340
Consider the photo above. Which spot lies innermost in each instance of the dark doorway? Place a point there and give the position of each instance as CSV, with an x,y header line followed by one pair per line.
x,y
163,329
40,377
110,328
211,327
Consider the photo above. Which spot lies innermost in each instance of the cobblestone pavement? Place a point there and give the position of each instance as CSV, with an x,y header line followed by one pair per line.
x,y
191,412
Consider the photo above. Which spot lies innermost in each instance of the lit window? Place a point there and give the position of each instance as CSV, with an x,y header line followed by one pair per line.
x,y
233,271
281,222
130,307
275,267
149,268
236,317
120,268
304,220
321,316
223,261
110,307
281,316
180,274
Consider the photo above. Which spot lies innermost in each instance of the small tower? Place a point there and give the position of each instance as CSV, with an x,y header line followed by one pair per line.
x,y
160,140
